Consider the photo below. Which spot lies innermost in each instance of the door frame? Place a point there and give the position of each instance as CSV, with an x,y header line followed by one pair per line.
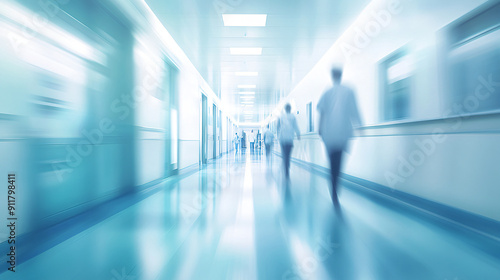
x,y
203,129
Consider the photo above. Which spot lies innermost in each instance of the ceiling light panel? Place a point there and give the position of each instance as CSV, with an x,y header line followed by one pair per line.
x,y
258,20
245,51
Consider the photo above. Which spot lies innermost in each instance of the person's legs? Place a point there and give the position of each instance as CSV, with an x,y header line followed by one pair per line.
x,y
283,153
290,148
335,164
269,152
286,150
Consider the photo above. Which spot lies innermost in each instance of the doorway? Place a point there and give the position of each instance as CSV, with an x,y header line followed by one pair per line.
x,y
204,129
215,131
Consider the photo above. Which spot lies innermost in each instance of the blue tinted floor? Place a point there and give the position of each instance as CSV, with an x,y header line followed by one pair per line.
x,y
238,219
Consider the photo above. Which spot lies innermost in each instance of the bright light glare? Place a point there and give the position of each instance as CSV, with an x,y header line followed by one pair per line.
x,y
400,70
247,74
247,93
245,51
247,97
244,19
59,35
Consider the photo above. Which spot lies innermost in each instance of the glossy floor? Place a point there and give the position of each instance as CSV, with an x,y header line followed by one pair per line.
x,y
238,219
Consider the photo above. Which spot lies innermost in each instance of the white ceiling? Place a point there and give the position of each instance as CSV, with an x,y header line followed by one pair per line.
x,y
297,35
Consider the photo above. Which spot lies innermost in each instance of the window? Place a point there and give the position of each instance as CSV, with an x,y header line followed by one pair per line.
x,y
395,79
310,123
473,60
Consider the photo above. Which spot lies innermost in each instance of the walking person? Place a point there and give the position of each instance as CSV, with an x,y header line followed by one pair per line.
x,y
258,141
287,128
236,141
251,139
339,116
269,143
243,139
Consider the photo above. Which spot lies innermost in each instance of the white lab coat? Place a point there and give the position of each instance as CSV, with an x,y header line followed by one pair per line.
x,y
251,137
287,128
339,116
268,137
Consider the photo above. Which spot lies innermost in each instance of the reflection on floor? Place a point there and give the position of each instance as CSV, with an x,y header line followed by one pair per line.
x,y
238,219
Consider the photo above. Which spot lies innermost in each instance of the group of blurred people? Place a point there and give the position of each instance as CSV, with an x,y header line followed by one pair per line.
x,y
338,117
239,141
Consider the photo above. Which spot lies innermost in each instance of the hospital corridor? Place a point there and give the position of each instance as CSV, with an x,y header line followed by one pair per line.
x,y
250,139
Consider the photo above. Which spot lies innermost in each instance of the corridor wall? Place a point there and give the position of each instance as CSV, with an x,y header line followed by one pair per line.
x,y
436,153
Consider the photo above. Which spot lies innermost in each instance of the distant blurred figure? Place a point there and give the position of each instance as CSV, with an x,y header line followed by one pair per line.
x,y
287,128
243,140
258,140
269,142
236,141
251,139
339,115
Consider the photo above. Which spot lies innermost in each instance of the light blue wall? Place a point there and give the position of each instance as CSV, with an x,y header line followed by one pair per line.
x,y
462,170
455,167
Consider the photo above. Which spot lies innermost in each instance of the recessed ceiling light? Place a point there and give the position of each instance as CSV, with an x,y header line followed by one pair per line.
x,y
244,19
247,93
247,97
247,86
247,74
245,51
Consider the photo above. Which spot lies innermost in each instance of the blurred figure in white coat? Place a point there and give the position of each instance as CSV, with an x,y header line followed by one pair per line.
x,y
269,143
236,141
339,116
287,128
251,140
